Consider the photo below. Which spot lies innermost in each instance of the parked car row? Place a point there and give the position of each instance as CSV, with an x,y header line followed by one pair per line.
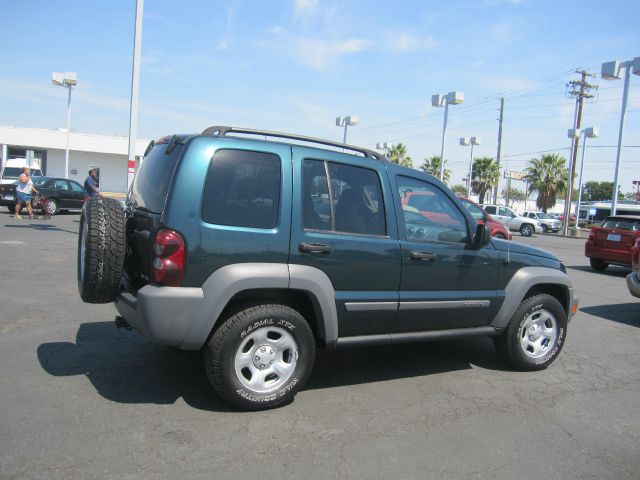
x,y
61,194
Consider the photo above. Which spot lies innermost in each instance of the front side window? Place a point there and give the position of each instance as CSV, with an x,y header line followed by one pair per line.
x,y
242,189
429,215
342,198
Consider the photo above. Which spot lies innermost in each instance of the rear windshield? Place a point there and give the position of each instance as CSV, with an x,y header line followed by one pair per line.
x,y
151,183
622,223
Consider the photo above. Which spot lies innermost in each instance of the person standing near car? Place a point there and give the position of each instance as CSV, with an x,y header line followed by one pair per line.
x,y
24,187
90,186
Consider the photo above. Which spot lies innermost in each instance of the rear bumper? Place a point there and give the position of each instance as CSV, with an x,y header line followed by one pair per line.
x,y
633,284
162,314
621,257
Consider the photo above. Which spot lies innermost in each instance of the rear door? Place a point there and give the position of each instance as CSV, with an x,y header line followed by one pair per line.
x,y
343,224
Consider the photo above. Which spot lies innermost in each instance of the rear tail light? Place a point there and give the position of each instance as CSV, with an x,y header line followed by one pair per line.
x,y
592,236
635,253
169,258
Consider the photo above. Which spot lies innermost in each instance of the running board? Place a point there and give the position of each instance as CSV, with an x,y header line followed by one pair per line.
x,y
410,337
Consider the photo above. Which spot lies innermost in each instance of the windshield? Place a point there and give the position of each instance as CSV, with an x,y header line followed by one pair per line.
x,y
14,172
543,216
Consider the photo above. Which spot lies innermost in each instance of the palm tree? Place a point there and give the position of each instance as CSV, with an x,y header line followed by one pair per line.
x,y
548,176
459,190
432,167
398,154
484,175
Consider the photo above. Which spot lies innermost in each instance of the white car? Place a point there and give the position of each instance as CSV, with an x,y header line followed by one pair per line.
x,y
514,222
548,223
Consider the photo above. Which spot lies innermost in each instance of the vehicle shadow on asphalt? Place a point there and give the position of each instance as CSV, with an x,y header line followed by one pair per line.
x,y
47,227
625,313
611,270
124,367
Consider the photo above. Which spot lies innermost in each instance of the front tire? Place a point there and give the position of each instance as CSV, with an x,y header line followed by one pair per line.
x,y
101,250
535,335
260,357
526,230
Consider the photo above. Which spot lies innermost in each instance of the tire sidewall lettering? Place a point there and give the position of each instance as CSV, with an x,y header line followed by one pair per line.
x,y
267,322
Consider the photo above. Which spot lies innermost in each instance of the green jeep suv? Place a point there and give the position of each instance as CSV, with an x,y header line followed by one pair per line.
x,y
259,247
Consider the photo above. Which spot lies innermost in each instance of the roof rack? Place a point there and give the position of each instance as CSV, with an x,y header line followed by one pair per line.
x,y
221,131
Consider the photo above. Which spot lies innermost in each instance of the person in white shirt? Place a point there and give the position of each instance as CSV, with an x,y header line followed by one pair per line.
x,y
24,187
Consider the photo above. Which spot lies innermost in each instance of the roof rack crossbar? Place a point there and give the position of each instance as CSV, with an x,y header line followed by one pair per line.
x,y
221,131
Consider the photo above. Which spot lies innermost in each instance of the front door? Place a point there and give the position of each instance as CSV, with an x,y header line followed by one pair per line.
x,y
445,283
343,224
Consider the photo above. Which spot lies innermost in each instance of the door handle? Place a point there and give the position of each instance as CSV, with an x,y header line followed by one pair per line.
x,y
415,255
317,248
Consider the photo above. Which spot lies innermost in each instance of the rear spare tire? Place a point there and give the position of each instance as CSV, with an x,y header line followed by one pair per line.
x,y
101,250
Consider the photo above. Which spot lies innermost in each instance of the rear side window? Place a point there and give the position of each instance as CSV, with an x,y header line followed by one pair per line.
x,y
491,210
151,183
349,200
243,189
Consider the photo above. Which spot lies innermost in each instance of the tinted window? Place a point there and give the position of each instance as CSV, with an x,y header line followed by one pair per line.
x,y
76,187
151,183
622,223
474,210
242,189
353,204
39,181
61,185
491,210
429,215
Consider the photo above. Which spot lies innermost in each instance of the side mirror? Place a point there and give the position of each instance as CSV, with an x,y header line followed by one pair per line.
x,y
481,237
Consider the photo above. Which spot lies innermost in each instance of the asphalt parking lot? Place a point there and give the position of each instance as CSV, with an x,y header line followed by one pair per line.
x,y
80,399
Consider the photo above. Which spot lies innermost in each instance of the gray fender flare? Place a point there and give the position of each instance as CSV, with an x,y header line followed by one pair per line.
x,y
519,285
228,281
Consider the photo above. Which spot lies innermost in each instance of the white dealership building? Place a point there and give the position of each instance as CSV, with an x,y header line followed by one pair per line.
x,y
47,149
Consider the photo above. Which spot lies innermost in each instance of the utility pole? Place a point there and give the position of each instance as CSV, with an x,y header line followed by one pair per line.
x,y
495,192
580,90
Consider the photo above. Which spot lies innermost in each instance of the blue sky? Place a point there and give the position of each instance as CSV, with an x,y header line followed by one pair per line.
x,y
295,65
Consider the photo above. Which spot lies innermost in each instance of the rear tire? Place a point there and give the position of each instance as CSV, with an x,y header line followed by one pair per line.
x,y
535,335
260,357
51,207
101,250
598,264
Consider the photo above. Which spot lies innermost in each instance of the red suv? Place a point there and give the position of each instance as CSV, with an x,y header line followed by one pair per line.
x,y
612,241
496,229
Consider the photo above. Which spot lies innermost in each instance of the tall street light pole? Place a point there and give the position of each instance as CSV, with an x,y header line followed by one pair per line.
x,y
383,146
591,132
441,100
67,80
135,84
348,121
465,142
611,71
